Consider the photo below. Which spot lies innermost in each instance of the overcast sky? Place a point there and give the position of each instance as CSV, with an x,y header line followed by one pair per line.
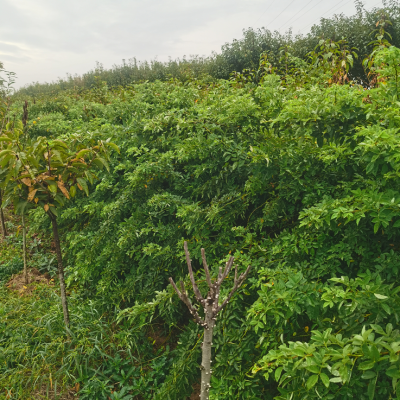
x,y
42,40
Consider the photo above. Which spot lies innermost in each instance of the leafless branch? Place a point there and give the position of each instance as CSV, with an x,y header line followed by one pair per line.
x,y
207,271
228,267
237,284
185,298
196,290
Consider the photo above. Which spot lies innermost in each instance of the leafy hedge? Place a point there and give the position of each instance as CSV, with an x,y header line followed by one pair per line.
x,y
295,175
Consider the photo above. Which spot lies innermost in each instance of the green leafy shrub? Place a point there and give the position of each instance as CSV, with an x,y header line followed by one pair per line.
x,y
10,267
294,174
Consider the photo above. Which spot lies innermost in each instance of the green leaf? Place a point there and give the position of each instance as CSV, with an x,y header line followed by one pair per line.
x,y
396,224
380,296
366,365
52,186
298,352
5,160
371,388
54,211
393,372
4,152
378,328
393,357
84,185
90,177
386,308
314,369
59,143
101,162
325,379
365,350
368,375
114,146
312,380
374,353
72,191
20,207
81,153
370,167
278,373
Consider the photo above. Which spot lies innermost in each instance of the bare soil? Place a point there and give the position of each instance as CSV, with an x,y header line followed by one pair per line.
x,y
196,392
35,278
42,395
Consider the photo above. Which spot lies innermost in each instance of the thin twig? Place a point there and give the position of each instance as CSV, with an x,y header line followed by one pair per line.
x,y
196,290
237,285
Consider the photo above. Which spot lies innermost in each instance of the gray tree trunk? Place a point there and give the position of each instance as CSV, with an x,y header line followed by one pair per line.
x,y
2,222
24,249
206,370
64,300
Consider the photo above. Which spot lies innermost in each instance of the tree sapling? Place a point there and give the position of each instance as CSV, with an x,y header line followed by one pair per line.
x,y
211,309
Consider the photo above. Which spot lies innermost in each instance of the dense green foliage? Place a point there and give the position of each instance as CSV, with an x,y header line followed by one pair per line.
x,y
295,174
243,53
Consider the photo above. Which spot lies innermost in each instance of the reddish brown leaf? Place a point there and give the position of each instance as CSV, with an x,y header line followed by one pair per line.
x,y
27,181
32,194
63,189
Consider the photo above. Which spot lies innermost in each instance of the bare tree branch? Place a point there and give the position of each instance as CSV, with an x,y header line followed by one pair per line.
x,y
235,274
207,271
228,267
184,297
196,290
237,285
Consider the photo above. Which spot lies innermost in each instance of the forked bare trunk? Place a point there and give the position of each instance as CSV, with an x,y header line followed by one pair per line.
x,y
64,300
2,221
24,250
211,306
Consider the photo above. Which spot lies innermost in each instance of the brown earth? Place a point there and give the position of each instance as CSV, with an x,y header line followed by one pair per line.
x,y
196,392
42,395
35,278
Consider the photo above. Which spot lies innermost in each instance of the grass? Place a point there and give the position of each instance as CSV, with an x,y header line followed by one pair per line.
x,y
36,357
102,359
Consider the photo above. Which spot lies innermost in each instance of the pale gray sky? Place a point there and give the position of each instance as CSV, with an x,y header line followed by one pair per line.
x,y
42,40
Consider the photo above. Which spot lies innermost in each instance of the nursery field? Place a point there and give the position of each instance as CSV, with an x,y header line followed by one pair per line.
x,y
292,168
